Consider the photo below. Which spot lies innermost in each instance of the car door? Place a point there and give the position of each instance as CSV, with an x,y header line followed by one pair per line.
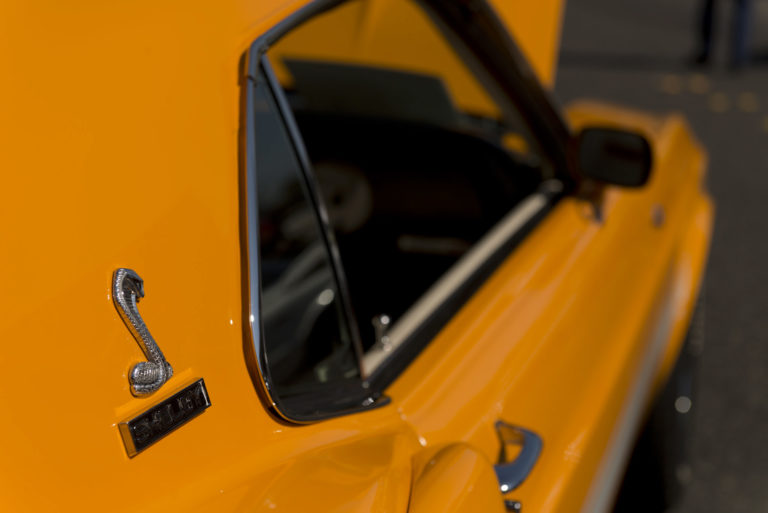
x,y
476,346
551,321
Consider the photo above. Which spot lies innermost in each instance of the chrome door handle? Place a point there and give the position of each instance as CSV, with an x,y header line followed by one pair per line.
x,y
511,474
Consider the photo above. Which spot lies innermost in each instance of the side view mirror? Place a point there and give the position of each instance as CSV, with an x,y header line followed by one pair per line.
x,y
613,156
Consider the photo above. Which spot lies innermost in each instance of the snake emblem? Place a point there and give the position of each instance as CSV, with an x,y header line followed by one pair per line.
x,y
145,377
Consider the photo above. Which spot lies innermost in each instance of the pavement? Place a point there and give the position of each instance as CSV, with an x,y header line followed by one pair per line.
x,y
638,54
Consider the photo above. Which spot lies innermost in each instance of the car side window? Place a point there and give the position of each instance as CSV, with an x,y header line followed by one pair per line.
x,y
419,158
306,343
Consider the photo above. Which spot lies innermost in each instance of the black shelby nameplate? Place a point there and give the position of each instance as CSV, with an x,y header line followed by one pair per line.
x,y
143,430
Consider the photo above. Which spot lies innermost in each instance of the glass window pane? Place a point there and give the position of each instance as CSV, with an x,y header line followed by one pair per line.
x,y
417,152
306,340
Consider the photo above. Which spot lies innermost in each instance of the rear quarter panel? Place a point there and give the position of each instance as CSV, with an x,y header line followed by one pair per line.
x,y
120,127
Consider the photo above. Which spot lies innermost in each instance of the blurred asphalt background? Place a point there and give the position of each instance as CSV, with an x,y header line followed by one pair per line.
x,y
637,53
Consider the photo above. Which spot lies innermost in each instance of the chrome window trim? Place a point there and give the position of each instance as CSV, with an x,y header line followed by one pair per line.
x,y
458,274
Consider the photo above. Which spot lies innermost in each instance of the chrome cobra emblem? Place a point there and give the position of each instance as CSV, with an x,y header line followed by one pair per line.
x,y
145,377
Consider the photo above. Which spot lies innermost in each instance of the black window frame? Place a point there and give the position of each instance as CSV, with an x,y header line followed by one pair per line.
x,y
485,37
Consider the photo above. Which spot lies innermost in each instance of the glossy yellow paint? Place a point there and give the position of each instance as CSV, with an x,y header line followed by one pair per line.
x,y
382,34
535,27
575,311
454,479
120,149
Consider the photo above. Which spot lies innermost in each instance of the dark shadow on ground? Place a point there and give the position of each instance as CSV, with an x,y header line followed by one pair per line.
x,y
759,57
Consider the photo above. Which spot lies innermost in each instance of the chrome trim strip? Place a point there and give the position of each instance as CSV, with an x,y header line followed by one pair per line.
x,y
443,288
250,236
605,484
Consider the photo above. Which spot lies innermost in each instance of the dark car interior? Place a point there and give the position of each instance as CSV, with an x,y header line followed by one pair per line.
x,y
409,182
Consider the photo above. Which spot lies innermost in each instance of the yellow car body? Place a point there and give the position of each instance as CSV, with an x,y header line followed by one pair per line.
x,y
121,129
